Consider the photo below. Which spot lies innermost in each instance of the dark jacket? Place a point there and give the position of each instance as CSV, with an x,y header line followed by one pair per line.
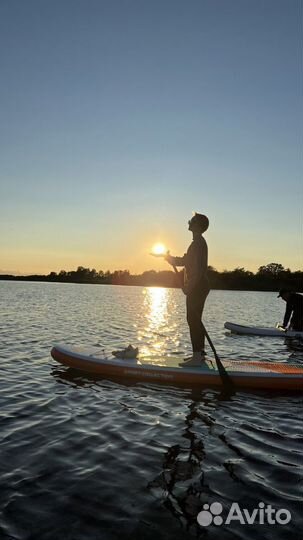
x,y
195,262
294,307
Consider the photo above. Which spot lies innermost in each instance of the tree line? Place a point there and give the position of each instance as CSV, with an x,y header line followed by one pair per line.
x,y
270,277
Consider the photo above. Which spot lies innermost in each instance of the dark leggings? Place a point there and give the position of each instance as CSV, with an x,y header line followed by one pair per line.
x,y
194,308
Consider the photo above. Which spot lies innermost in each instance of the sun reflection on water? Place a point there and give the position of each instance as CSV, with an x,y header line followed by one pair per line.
x,y
159,329
156,313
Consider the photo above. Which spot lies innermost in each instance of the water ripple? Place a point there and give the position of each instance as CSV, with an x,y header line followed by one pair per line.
x,y
97,459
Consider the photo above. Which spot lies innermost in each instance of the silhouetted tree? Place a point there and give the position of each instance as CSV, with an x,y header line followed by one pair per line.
x,y
270,277
273,269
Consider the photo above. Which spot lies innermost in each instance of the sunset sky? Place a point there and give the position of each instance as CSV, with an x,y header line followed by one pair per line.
x,y
120,118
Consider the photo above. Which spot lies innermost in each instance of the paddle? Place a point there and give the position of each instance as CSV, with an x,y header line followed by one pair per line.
x,y
226,379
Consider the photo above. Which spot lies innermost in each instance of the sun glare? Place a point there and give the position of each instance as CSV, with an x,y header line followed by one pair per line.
x,y
159,249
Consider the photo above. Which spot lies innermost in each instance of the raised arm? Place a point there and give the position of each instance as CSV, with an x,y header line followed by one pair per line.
x,y
287,315
175,261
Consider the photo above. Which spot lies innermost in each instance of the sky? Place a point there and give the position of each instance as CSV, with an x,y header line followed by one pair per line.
x,y
120,118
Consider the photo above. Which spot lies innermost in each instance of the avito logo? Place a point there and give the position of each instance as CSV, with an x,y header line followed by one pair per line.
x,y
260,515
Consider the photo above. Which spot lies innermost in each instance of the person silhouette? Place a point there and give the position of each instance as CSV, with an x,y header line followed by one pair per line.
x,y
196,285
294,309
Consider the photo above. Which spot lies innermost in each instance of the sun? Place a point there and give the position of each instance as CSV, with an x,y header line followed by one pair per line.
x,y
159,249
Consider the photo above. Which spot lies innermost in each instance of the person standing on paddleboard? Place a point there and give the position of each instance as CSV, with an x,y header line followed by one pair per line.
x,y
196,285
294,309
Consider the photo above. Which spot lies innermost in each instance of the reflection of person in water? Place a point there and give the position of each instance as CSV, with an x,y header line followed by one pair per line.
x,y
196,286
294,309
182,475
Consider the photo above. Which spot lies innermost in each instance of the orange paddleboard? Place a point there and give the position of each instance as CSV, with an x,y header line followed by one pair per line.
x,y
254,375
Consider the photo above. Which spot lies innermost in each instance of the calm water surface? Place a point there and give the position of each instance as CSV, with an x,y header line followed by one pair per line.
x,y
85,459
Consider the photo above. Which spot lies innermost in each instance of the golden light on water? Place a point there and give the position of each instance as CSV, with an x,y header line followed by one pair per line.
x,y
156,313
159,249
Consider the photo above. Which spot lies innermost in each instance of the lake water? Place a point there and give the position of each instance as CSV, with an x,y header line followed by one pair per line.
x,y
85,459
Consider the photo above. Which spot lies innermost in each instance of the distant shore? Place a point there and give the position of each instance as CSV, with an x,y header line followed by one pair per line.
x,y
271,277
